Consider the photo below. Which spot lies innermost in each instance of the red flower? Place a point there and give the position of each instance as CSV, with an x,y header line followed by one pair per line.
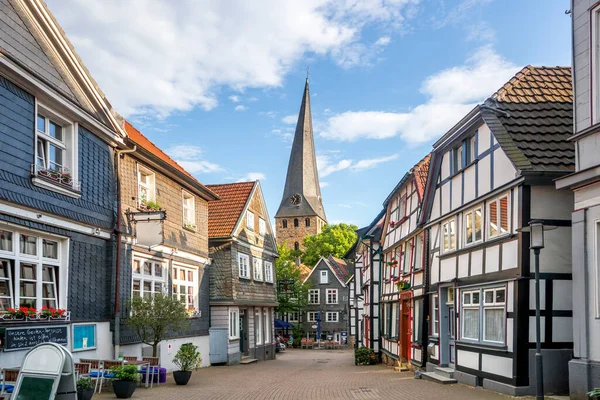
x,y
10,310
44,308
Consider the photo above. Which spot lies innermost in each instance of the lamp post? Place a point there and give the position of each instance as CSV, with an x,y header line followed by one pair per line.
x,y
536,243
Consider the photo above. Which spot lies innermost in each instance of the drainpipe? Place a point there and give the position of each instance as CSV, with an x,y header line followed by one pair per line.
x,y
118,156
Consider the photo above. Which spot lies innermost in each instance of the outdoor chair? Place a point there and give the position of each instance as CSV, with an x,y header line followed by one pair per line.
x,y
95,368
310,343
303,344
9,380
82,370
105,371
130,358
154,367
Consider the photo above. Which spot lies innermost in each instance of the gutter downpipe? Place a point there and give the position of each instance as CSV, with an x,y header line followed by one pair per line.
x,y
117,336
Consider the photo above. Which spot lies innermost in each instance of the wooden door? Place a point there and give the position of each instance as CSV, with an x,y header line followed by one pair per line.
x,y
405,331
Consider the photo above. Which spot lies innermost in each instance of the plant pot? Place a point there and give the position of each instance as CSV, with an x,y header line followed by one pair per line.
x,y
85,394
182,377
124,389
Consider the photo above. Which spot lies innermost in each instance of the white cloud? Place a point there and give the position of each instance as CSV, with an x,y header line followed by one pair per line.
x,y
451,93
323,184
235,99
253,176
372,162
383,41
360,54
345,205
189,157
240,108
189,72
480,32
289,119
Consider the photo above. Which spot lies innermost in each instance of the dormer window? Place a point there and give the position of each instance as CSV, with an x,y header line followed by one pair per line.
x,y
464,154
324,277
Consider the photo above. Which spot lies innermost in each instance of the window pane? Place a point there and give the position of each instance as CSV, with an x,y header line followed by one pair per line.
x,y
55,131
4,304
147,268
181,275
41,153
49,303
158,269
475,297
28,271
50,249
48,273
467,298
48,290
28,245
504,215
493,219
55,157
469,228
471,324
5,240
500,295
158,287
478,225
27,302
136,285
4,288
27,289
190,277
489,296
41,123
3,269
446,236
494,325
136,266
147,286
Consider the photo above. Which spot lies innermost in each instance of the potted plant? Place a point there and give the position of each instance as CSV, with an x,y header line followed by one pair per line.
x,y
125,380
85,389
187,358
594,394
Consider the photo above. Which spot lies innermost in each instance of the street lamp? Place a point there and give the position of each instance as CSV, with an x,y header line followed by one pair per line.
x,y
536,230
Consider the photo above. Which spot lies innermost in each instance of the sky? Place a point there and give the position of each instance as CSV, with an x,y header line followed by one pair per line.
x,y
217,84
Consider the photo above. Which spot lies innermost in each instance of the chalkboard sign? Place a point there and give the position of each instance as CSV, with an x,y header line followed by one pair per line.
x,y
26,337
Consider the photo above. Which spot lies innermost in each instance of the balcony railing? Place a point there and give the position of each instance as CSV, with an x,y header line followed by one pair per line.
x,y
60,177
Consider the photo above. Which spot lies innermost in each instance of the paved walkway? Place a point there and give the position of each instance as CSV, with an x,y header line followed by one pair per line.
x,y
307,375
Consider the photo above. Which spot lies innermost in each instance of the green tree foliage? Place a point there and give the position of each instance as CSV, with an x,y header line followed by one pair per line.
x,y
287,269
153,318
333,239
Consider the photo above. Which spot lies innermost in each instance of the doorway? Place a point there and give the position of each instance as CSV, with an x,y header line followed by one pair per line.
x,y
243,333
405,330
447,327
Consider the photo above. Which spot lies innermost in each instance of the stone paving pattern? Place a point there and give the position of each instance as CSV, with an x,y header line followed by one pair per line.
x,y
308,374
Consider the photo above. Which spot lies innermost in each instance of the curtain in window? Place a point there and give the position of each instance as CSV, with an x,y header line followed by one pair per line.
x,y
471,323
6,240
494,324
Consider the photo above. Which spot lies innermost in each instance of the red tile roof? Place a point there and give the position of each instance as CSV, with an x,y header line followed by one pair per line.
x,y
304,271
142,141
340,267
420,171
538,85
224,214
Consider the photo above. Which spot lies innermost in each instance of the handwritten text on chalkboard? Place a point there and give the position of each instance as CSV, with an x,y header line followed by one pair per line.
x,y
23,338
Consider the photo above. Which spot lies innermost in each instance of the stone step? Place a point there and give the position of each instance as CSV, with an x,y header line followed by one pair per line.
x,y
445,371
432,376
248,360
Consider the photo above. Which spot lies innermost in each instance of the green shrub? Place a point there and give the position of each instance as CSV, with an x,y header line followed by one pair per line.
x,y
594,393
363,355
188,357
84,384
126,373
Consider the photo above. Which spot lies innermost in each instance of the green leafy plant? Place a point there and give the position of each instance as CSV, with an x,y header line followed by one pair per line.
x,y
125,373
594,393
363,355
84,384
152,205
333,239
154,318
297,333
188,357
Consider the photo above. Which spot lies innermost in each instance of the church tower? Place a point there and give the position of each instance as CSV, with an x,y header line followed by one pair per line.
x,y
301,211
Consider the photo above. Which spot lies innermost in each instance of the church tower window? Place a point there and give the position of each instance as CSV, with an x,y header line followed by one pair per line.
x,y
284,223
295,222
307,222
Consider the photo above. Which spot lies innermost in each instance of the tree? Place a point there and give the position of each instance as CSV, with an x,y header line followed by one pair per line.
x,y
287,269
333,239
153,318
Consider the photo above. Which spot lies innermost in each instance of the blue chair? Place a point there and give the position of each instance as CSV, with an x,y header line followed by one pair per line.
x,y
9,379
105,371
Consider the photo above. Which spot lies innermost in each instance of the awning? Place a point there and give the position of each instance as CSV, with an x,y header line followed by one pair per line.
x,y
281,324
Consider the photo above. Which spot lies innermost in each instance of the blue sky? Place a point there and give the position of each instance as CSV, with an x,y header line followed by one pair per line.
x,y
213,83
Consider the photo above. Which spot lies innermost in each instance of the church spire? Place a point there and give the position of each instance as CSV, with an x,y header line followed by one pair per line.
x,y
302,193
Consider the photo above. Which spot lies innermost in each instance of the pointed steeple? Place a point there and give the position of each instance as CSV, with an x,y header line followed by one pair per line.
x,y
302,193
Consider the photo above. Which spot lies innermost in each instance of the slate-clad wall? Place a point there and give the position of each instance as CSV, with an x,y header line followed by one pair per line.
x,y
90,271
17,154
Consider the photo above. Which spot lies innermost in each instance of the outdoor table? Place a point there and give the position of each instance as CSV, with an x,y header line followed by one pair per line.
x,y
139,363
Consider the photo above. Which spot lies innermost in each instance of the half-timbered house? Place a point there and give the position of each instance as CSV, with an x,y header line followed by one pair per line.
x,y
491,174
403,283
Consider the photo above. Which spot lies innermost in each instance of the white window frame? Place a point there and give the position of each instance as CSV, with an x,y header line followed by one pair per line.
x,y
188,205
13,258
595,63
258,337
142,277
257,268
329,317
435,312
149,186
494,305
482,306
323,277
266,326
268,271
293,316
470,304
472,214
262,227
332,296
311,316
449,234
69,145
243,265
234,323
311,293
497,200
189,271
418,252
250,220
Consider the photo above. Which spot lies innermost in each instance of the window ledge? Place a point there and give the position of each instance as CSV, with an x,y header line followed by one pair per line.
x,y
40,182
245,278
189,229
479,245
500,347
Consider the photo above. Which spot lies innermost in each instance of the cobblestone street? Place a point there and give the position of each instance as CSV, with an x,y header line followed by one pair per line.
x,y
308,374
